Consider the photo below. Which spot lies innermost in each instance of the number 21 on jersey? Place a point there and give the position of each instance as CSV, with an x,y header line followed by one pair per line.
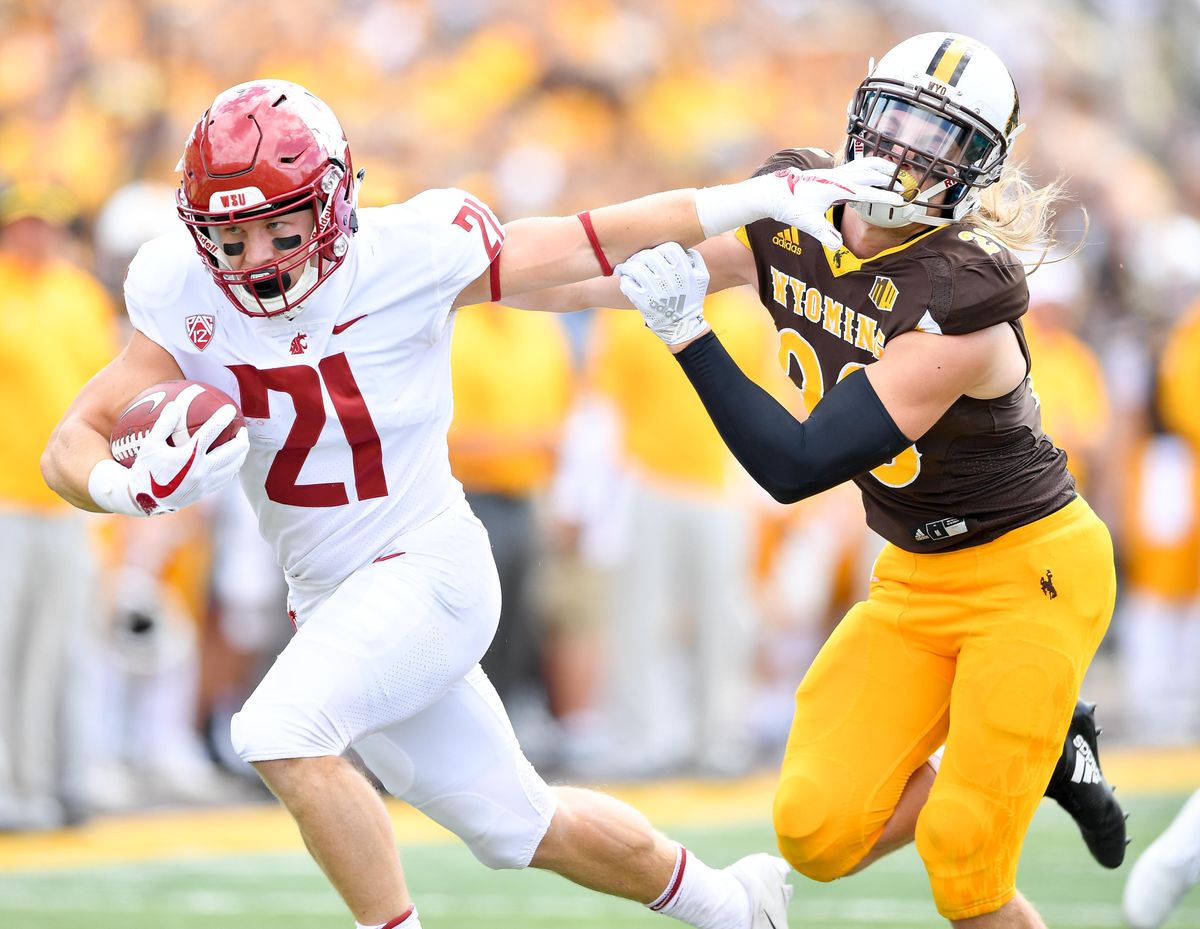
x,y
901,470
303,385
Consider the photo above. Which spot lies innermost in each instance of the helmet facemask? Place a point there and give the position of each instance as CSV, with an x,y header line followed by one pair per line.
x,y
277,287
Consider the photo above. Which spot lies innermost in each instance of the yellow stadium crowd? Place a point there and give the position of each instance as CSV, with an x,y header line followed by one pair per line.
x,y
642,569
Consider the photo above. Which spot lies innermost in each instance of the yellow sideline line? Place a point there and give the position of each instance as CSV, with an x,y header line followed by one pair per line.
x,y
260,829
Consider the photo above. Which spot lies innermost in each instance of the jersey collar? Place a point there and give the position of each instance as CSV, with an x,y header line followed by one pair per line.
x,y
843,261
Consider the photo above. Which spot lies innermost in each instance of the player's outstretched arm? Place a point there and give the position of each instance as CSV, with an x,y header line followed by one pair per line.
x,y
551,251
567,298
848,433
80,440
729,263
863,421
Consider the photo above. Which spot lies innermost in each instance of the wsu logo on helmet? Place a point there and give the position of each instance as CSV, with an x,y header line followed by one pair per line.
x,y
200,329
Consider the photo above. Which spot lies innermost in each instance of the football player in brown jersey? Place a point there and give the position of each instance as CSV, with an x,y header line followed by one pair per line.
x,y
997,582
901,326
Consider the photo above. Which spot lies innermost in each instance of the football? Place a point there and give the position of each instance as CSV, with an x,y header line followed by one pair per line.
x,y
143,410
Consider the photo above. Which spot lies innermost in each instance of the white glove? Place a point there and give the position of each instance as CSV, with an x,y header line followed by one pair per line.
x,y
667,285
165,478
798,198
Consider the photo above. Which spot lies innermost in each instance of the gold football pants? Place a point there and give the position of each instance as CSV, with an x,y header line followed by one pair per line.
x,y
982,649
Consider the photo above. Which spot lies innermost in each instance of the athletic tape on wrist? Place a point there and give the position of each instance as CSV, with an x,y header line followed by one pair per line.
x,y
108,486
672,889
730,206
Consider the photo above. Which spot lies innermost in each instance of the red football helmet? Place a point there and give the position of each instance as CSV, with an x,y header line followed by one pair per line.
x,y
262,149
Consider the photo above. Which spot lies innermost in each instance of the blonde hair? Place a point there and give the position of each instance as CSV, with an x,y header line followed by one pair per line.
x,y
1018,214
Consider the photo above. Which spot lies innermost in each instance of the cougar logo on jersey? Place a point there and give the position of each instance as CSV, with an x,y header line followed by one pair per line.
x,y
299,344
788,239
884,293
200,329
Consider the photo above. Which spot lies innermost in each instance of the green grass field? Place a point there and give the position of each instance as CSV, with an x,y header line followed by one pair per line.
x,y
452,891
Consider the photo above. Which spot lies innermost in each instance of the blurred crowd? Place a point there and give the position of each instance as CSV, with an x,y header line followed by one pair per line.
x,y
658,608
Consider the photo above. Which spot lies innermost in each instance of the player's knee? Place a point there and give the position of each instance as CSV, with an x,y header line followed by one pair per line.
x,y
966,842
502,838
503,851
266,732
812,829
952,831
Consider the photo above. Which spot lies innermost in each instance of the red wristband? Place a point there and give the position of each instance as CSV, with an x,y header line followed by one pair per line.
x,y
494,277
586,219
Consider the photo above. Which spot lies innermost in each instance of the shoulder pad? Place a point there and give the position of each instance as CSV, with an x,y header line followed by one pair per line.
x,y
439,204
160,269
975,281
447,212
463,235
376,223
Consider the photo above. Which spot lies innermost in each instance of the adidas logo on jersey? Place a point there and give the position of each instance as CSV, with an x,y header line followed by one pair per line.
x,y
1086,770
788,239
941,529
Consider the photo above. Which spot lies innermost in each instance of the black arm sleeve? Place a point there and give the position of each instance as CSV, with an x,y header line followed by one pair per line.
x,y
847,434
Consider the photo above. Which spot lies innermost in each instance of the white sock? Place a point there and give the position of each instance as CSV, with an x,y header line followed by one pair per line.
x,y
1182,837
406,920
935,760
702,896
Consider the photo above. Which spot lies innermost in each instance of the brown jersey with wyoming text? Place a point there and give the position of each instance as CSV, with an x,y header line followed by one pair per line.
x,y
985,467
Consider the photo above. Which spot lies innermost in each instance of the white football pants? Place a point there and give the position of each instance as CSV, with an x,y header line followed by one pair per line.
x,y
387,662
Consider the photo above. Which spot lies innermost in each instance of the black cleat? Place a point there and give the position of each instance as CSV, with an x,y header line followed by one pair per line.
x,y
1079,787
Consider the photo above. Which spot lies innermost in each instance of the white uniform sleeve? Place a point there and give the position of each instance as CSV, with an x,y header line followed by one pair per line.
x,y
464,238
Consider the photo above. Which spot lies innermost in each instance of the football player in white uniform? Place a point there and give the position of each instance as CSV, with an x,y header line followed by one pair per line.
x,y
344,381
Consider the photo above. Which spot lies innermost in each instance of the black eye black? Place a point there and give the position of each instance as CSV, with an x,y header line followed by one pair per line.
x,y
233,248
286,243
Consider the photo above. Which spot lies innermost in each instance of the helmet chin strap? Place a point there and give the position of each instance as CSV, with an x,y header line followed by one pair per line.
x,y
893,217
888,217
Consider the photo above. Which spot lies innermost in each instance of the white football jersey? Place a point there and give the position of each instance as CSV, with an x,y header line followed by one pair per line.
x,y
348,404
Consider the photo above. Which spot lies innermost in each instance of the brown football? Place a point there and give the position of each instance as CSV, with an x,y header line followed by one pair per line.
x,y
143,411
